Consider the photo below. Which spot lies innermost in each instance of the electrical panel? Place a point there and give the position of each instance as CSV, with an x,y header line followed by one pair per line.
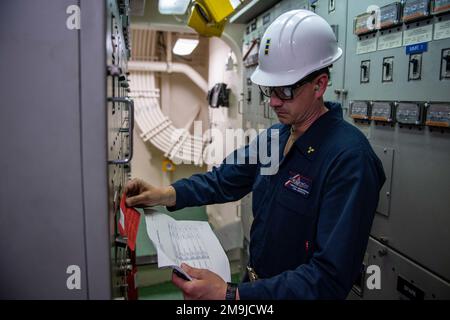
x,y
67,96
401,72
120,141
392,83
401,277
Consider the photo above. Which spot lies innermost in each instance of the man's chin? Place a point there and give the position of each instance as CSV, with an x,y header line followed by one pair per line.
x,y
283,120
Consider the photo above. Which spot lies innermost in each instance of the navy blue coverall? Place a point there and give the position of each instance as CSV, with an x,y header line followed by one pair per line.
x,y
311,219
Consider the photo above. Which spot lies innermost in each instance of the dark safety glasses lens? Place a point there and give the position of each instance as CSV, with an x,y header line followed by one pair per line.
x,y
284,93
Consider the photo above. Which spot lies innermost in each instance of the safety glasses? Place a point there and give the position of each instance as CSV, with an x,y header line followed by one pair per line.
x,y
284,92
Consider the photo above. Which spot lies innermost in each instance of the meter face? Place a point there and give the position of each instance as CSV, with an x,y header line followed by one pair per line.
x,y
362,23
359,110
390,15
415,9
382,111
441,6
408,113
438,115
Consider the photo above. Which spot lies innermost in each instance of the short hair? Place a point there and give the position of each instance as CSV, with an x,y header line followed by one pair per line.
x,y
315,74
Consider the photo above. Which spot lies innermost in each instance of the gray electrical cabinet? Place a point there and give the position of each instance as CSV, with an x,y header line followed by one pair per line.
x,y
394,85
65,149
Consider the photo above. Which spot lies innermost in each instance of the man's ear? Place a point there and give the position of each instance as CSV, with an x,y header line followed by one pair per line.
x,y
321,85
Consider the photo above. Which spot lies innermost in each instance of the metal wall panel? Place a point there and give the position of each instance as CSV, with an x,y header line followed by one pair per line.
x,y
57,132
418,218
42,214
400,278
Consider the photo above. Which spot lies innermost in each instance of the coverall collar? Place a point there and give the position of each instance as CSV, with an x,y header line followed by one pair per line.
x,y
309,143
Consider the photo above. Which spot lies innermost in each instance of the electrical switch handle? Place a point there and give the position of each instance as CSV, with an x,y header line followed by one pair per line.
x,y
387,68
415,63
130,104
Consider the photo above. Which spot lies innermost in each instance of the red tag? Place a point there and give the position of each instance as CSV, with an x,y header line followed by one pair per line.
x,y
128,223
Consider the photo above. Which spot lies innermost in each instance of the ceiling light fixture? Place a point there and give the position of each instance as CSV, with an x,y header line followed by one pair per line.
x,y
185,46
177,7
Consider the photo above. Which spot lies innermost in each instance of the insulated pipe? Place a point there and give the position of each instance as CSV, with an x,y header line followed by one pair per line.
x,y
169,68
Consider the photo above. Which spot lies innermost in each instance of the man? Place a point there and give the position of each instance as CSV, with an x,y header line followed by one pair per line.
x,y
313,217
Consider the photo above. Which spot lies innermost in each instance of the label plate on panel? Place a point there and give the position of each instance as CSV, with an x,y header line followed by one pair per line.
x,y
390,40
442,30
418,35
417,48
366,45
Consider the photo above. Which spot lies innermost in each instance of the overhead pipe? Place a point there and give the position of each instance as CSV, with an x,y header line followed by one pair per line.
x,y
153,66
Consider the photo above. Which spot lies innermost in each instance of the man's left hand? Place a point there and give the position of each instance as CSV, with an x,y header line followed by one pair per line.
x,y
206,285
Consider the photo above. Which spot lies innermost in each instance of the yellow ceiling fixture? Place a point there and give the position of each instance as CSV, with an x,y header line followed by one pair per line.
x,y
208,17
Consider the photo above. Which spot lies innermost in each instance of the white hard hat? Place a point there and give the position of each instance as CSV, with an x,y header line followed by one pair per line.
x,y
295,45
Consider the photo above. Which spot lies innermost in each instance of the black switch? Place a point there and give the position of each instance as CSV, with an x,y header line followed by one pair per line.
x,y
387,69
364,71
415,63
447,62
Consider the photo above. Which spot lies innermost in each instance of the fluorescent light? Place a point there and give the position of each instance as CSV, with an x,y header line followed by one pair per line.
x,y
173,6
235,3
183,46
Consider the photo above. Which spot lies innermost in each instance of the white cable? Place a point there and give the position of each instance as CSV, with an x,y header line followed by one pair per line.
x,y
156,127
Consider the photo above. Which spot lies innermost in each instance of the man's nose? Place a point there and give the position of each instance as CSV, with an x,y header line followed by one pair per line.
x,y
275,102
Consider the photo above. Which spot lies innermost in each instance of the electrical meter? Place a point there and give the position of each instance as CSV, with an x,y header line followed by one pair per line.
x,y
382,111
440,6
409,113
362,23
415,9
438,115
390,15
360,110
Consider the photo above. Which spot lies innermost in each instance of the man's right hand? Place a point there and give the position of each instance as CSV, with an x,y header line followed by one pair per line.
x,y
141,194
